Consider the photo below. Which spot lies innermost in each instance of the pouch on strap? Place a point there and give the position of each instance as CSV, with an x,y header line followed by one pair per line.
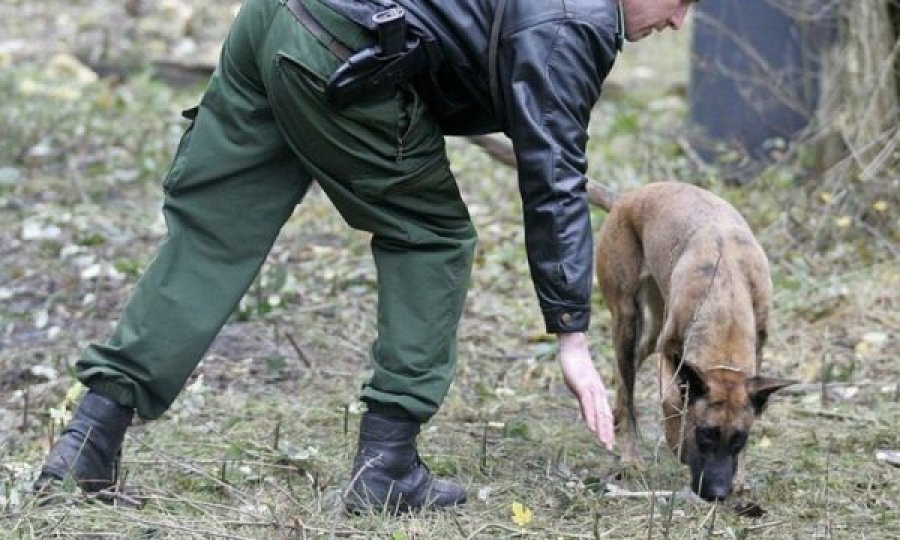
x,y
404,49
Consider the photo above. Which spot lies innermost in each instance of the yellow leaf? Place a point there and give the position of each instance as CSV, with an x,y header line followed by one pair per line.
x,y
880,206
521,515
843,222
765,442
825,197
72,395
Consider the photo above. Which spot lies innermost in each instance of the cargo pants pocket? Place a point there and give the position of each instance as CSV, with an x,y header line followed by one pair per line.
x,y
178,162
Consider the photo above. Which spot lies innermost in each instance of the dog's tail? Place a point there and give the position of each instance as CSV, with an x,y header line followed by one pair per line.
x,y
497,149
598,194
601,195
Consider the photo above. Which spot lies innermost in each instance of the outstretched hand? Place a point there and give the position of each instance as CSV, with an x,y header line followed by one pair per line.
x,y
583,380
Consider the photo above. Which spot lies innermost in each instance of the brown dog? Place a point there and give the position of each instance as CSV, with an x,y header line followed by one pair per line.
x,y
683,276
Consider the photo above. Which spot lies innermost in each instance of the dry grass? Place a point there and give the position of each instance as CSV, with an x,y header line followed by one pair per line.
x,y
260,444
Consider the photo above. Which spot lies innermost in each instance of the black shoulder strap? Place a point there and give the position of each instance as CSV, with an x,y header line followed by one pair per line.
x,y
493,44
304,17
360,12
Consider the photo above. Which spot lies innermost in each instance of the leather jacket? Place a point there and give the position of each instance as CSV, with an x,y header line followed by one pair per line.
x,y
553,56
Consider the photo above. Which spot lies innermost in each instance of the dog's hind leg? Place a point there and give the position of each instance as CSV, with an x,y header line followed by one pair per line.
x,y
618,271
625,332
652,310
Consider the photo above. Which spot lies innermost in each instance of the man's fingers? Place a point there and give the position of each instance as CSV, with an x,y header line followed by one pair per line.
x,y
587,410
604,419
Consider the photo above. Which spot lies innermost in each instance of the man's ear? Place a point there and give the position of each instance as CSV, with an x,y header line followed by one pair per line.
x,y
691,378
760,388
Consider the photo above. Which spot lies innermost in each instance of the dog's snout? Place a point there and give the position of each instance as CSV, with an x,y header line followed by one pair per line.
x,y
712,480
715,492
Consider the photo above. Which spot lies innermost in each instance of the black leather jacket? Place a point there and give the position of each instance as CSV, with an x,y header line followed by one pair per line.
x,y
553,56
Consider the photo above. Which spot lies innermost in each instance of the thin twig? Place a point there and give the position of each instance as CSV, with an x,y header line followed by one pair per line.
x,y
522,532
834,415
185,465
301,354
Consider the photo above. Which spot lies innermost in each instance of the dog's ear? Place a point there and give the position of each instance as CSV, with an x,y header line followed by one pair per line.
x,y
692,379
760,388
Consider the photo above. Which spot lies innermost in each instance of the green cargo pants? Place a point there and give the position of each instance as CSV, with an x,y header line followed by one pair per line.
x,y
261,133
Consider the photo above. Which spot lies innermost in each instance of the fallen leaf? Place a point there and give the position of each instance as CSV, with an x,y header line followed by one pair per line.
x,y
521,515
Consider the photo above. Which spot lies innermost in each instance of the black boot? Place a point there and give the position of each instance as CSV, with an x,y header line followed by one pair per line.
x,y
388,474
88,449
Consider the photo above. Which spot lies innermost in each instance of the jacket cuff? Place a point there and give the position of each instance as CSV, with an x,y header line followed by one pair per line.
x,y
565,320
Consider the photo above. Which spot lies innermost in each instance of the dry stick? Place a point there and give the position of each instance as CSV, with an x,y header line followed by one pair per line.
x,y
361,470
276,335
622,494
194,505
204,533
168,496
806,388
667,527
346,421
827,509
118,496
521,532
276,436
708,515
834,415
301,354
823,396
692,154
25,408
184,465
217,461
483,462
459,525
60,521
300,526
764,525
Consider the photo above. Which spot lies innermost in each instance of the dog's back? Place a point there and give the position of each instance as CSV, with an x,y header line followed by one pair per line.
x,y
711,273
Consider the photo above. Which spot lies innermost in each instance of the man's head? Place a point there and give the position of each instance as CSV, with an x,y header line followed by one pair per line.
x,y
642,17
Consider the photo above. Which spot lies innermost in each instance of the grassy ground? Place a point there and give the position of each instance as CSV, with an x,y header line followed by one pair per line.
x,y
259,444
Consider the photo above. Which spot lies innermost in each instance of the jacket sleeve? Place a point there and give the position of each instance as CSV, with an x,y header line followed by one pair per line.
x,y
551,74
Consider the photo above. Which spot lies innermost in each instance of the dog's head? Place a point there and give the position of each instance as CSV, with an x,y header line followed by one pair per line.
x,y
722,404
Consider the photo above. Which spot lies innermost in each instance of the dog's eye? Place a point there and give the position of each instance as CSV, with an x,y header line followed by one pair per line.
x,y
738,440
708,438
